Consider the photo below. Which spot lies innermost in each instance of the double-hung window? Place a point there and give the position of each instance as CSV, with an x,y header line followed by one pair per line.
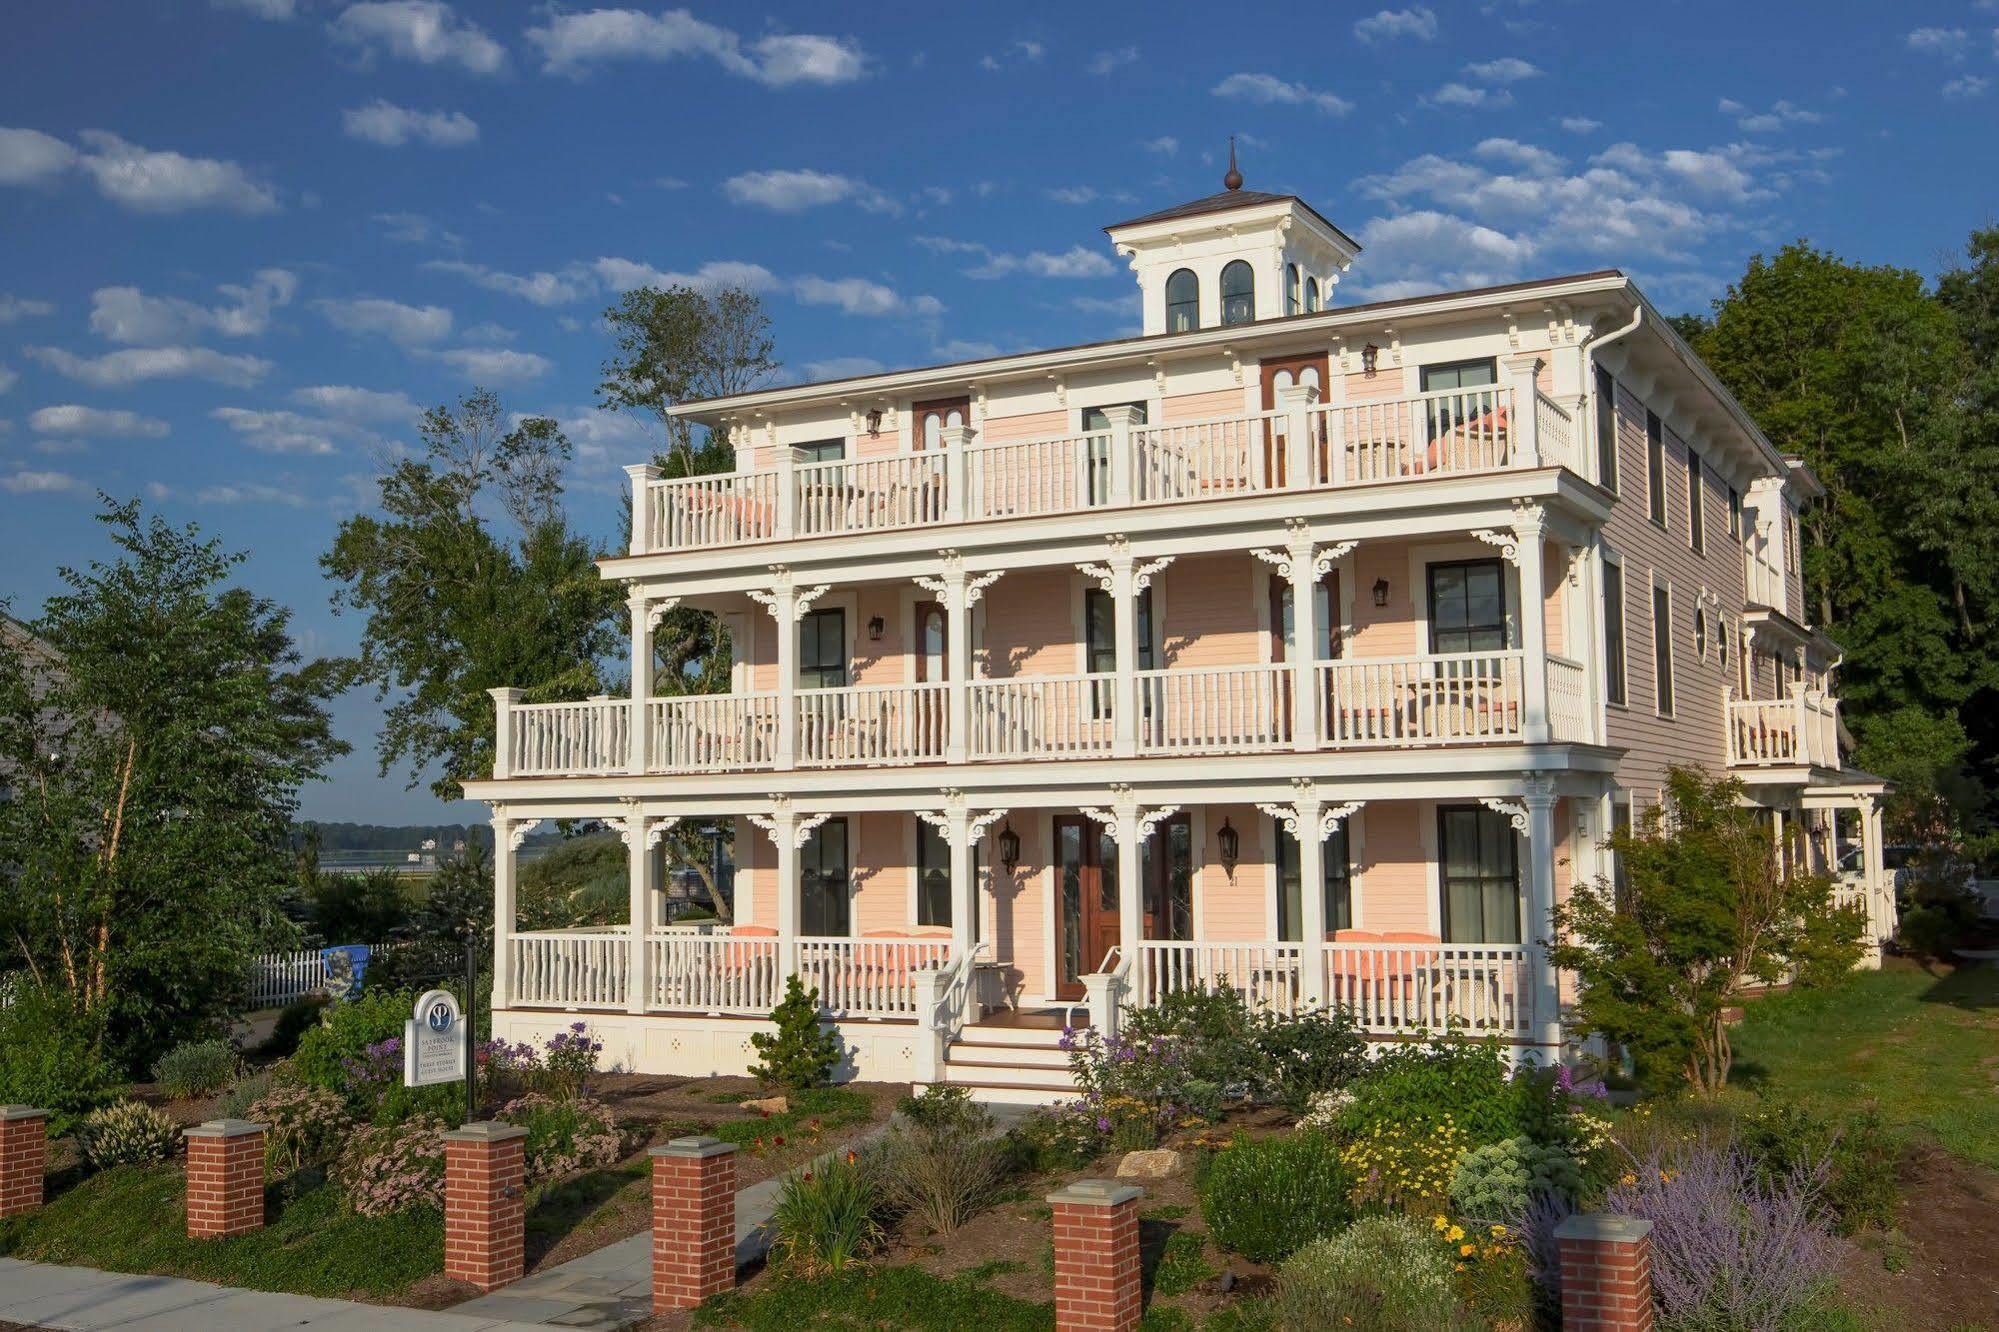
x,y
822,649
824,871
1467,606
1337,886
1100,643
1696,523
1662,648
1613,632
1606,430
1478,870
933,875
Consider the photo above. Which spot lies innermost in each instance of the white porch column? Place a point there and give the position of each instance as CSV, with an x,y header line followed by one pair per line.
x,y
645,617
640,836
1123,577
1130,881
956,440
1529,524
1297,400
787,493
507,836
1873,870
1522,375
1780,846
645,535
786,603
1539,798
1123,419
958,592
503,731
787,832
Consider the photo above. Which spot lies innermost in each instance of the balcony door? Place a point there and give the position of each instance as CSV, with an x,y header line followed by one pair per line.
x,y
1278,374
933,657
928,421
1086,905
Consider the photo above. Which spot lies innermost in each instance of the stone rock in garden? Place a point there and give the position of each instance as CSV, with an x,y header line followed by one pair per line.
x,y
769,1105
1158,1163
1226,1281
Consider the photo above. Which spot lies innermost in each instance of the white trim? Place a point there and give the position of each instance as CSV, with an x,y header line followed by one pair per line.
x,y
1356,831
1433,870
1421,557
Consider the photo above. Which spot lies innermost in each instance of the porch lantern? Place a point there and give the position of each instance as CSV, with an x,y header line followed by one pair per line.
x,y
1229,842
1009,847
1381,591
1369,355
874,422
876,627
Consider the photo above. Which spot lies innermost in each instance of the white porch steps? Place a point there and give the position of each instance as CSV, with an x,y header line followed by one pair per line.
x,y
1010,1065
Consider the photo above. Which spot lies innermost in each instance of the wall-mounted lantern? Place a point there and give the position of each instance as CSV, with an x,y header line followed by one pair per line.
x,y
875,422
876,628
1369,355
1229,842
1009,848
1381,591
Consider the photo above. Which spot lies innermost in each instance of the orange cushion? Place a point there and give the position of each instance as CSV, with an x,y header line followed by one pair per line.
x,y
753,931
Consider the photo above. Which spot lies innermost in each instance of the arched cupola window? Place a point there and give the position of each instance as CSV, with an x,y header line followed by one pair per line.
x,y
1311,294
1292,297
1238,293
1183,302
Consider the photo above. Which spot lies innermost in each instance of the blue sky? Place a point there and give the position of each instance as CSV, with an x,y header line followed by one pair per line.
x,y
243,242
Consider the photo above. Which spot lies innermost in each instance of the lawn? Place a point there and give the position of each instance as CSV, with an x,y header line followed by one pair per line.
x,y
1921,1046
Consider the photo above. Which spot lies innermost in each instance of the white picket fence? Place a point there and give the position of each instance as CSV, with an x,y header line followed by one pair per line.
x,y
279,978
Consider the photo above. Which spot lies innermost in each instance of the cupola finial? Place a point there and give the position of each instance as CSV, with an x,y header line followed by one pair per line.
x,y
1232,181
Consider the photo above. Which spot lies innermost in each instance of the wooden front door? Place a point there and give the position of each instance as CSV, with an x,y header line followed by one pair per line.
x,y
1086,905
1282,372
928,419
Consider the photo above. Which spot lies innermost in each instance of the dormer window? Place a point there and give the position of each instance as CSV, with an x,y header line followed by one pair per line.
x,y
1293,294
1311,295
1183,302
1238,293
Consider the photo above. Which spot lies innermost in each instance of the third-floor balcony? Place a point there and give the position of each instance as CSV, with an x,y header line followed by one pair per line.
x,y
1303,445
1797,731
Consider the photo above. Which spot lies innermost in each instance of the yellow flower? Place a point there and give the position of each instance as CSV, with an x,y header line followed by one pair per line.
x,y
1467,1250
1499,1230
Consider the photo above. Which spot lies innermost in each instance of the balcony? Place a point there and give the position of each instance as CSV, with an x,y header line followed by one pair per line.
x,y
1304,446
1360,703
1794,732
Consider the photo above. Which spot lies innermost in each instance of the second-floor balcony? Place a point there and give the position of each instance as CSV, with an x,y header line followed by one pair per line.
x,y
1303,445
1801,730
1388,703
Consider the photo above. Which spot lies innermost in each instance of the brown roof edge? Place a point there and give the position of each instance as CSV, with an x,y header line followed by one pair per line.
x,y
1410,303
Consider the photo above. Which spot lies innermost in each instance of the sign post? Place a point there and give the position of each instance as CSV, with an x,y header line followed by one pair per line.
x,y
436,1044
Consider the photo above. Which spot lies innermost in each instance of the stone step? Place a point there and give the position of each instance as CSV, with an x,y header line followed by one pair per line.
x,y
975,1075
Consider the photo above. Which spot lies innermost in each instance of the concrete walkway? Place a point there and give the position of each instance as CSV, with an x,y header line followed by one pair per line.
x,y
83,1299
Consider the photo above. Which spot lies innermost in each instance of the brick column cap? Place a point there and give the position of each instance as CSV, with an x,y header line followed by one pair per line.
x,y
1603,1226
695,1148
1095,1193
11,1113
224,1128
486,1130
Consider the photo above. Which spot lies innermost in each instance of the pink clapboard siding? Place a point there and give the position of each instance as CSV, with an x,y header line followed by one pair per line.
x,y
1026,425
1212,612
1202,406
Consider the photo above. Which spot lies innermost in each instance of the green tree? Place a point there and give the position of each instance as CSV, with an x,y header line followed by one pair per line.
x,y
471,579
156,738
680,345
1705,910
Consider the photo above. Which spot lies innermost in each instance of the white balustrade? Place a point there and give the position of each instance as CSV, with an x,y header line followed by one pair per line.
x,y
1396,988
712,732
690,512
1216,709
714,973
1803,728
1393,439
1556,432
583,968
550,739
1237,455
868,978
1038,476
1267,973
1042,716
871,494
872,724
1570,716
1467,696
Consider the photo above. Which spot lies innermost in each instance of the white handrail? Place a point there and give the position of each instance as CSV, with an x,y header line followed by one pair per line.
x,y
1455,697
1216,709
1042,716
873,724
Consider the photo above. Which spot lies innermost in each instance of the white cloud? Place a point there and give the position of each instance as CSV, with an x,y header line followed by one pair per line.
x,y
537,288
348,403
1269,89
1780,114
414,229
1106,62
859,296
406,324
599,435
1419,23
39,483
279,431
252,492
158,490
1966,87
1087,194
72,419
842,367
622,275
392,126
18,307
1165,145
796,191
8,378
1527,156
1506,69
495,365
276,10
426,31
28,157
1580,124
139,364
127,314
1075,262
1947,42
1403,254
1464,95
571,43
167,182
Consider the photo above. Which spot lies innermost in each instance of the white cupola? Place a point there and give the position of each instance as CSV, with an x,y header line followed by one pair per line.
x,y
1233,258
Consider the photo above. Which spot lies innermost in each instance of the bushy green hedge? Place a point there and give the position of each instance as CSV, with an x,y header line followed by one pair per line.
x,y
1265,1197
195,1068
1466,1083
52,1057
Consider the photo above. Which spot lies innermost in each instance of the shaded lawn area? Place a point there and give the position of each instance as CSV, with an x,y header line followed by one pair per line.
x,y
1922,1047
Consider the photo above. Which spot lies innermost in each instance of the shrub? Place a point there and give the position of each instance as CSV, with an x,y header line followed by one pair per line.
x,y
1212,1034
236,1102
800,1053
197,1068
304,1128
825,1220
1308,1055
945,1161
1494,1182
1381,1274
52,1057
1265,1197
1137,1087
1057,1138
345,1034
561,1069
1861,1160
564,1136
128,1133
295,1019
1406,1167
387,1168
1463,1082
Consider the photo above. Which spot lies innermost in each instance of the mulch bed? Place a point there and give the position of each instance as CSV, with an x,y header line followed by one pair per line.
x,y
1940,1267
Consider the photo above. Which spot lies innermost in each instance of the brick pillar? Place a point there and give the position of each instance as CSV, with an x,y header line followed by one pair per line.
x,y
24,1158
693,1221
1606,1273
225,1178
1096,1256
485,1204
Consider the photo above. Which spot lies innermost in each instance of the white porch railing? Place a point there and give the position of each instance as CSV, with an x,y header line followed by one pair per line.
x,y
872,724
1266,973
1803,728
714,973
584,968
1023,478
1236,455
1454,431
871,494
868,978
712,732
1216,709
1393,988
1570,715
1042,716
1555,433
557,738
1456,697
690,512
